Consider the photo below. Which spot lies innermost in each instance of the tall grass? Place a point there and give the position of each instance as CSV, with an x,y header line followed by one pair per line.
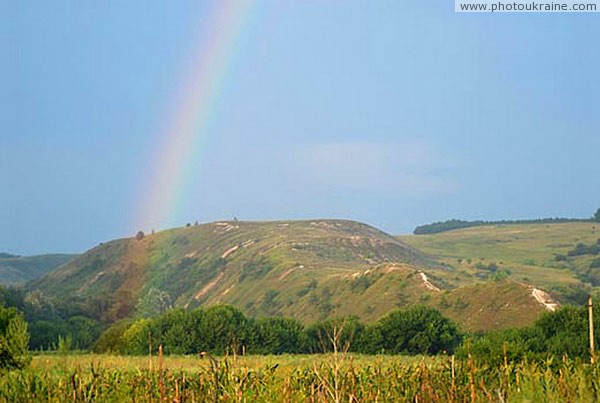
x,y
332,378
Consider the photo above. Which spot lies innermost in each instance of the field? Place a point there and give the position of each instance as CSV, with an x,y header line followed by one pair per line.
x,y
323,378
528,251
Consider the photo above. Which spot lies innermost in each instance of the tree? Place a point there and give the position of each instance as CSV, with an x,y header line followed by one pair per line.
x,y
14,339
418,330
223,329
337,333
277,336
597,215
155,302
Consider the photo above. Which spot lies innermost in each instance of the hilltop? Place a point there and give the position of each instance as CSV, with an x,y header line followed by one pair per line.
x,y
17,270
310,270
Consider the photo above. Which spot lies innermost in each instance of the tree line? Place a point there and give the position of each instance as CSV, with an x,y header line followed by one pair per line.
x,y
449,225
563,333
223,329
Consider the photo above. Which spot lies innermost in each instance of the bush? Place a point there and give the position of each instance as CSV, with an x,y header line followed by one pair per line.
x,y
14,339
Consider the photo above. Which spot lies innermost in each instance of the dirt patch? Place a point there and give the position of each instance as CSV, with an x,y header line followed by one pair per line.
x,y
229,251
427,283
545,299
208,287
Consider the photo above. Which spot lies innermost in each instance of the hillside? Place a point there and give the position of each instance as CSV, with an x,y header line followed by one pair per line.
x,y
557,257
310,270
17,270
306,269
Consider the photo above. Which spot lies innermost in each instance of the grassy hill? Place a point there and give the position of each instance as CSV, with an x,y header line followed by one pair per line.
x,y
306,269
311,270
536,254
17,270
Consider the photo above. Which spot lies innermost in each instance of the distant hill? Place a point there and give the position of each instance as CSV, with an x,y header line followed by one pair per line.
x,y
563,258
450,225
16,270
310,270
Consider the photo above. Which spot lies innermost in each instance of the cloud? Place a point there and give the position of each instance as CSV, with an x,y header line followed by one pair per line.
x,y
401,167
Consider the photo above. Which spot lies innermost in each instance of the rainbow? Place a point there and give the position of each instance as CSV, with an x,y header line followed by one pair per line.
x,y
187,125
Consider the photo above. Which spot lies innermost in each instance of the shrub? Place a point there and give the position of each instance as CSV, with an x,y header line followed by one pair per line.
x,y
14,339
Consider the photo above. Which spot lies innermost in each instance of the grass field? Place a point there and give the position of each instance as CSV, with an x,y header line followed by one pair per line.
x,y
527,250
329,378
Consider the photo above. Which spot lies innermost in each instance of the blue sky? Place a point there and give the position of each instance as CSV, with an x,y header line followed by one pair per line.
x,y
395,113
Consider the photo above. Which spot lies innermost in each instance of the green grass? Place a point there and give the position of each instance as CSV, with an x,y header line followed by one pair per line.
x,y
331,378
527,250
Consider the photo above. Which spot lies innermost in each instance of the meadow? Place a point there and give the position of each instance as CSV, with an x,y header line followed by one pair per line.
x,y
333,377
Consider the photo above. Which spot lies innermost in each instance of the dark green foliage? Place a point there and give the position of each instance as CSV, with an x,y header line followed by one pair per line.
x,y
564,332
453,224
277,336
361,283
12,297
331,334
591,276
112,339
582,249
597,215
14,339
255,269
370,340
493,346
560,258
222,330
177,330
74,317
448,225
418,330
572,294
82,331
595,264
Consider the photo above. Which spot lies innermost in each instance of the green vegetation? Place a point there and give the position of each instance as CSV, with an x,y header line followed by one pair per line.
x,y
225,330
47,322
454,224
17,270
532,254
582,249
312,271
331,378
309,270
562,333
14,339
